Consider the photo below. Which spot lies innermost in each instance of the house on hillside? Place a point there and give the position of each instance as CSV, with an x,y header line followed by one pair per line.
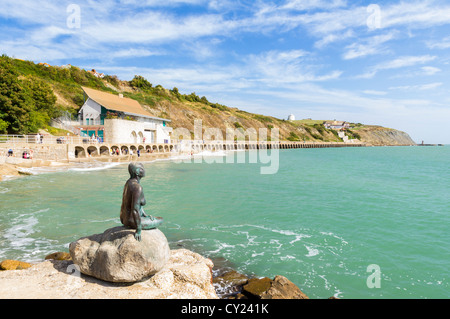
x,y
96,74
117,119
336,125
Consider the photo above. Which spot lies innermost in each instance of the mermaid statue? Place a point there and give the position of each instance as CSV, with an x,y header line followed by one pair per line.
x,y
132,213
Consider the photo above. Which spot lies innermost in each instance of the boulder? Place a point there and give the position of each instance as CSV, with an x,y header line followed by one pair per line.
x,y
256,287
278,288
282,288
116,256
9,264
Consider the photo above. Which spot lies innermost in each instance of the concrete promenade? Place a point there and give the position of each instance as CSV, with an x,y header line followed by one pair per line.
x,y
92,149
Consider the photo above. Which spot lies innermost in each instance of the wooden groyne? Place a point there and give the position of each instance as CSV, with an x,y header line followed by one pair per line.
x,y
430,144
212,145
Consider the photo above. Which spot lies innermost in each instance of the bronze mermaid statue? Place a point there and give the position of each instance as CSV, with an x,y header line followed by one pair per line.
x,y
132,213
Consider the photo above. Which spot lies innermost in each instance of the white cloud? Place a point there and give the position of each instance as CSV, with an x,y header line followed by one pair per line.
x,y
371,46
374,92
132,53
422,87
441,44
400,62
430,70
159,3
330,38
286,66
303,5
405,61
417,14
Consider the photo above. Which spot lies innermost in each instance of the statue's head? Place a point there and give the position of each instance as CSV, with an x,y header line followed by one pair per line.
x,y
136,169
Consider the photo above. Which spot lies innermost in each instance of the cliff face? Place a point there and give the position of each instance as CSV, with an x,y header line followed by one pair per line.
x,y
381,136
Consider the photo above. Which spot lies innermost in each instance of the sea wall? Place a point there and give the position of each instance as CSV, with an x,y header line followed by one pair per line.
x,y
52,152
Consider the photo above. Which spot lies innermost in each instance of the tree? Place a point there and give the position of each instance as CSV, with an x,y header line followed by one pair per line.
x,y
42,95
25,105
176,93
14,102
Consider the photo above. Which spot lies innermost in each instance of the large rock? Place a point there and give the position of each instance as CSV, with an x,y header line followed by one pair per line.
x,y
116,256
278,288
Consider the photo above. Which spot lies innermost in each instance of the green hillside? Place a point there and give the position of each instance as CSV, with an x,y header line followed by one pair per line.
x,y
31,95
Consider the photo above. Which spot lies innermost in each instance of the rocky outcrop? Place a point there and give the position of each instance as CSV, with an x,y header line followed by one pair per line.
x,y
235,285
186,275
14,265
116,256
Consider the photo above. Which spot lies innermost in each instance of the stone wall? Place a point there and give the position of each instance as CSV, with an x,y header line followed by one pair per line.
x,y
49,152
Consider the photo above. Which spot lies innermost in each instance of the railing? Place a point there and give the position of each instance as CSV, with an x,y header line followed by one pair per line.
x,y
85,122
52,140
46,139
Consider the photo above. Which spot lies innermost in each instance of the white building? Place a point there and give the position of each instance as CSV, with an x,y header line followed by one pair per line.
x,y
336,125
291,117
117,119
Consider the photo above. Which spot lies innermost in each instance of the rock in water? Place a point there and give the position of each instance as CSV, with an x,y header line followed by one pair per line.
x,y
116,256
278,288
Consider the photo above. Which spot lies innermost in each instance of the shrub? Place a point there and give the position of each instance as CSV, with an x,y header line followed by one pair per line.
x,y
293,137
140,82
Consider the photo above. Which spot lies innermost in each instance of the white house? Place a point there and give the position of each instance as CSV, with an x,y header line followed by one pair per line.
x,y
117,119
336,125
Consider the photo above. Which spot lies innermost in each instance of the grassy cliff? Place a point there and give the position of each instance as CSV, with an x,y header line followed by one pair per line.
x,y
182,109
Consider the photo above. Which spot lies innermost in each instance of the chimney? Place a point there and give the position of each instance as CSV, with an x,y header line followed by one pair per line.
x,y
121,95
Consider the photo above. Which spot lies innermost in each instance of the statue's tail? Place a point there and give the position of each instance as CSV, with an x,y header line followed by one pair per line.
x,y
151,223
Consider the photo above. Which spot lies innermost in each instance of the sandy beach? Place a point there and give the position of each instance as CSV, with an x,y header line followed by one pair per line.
x,y
14,167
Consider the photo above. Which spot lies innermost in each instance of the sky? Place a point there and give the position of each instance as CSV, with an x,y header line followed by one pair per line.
x,y
373,62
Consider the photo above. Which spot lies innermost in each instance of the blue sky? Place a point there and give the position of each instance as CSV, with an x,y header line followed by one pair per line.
x,y
373,62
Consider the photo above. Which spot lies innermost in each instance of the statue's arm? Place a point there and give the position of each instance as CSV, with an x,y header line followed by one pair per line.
x,y
135,211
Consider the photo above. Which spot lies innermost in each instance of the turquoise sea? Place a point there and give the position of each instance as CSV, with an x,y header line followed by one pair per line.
x,y
326,220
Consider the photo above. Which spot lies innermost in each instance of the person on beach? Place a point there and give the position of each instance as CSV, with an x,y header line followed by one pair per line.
x,y
10,152
132,214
